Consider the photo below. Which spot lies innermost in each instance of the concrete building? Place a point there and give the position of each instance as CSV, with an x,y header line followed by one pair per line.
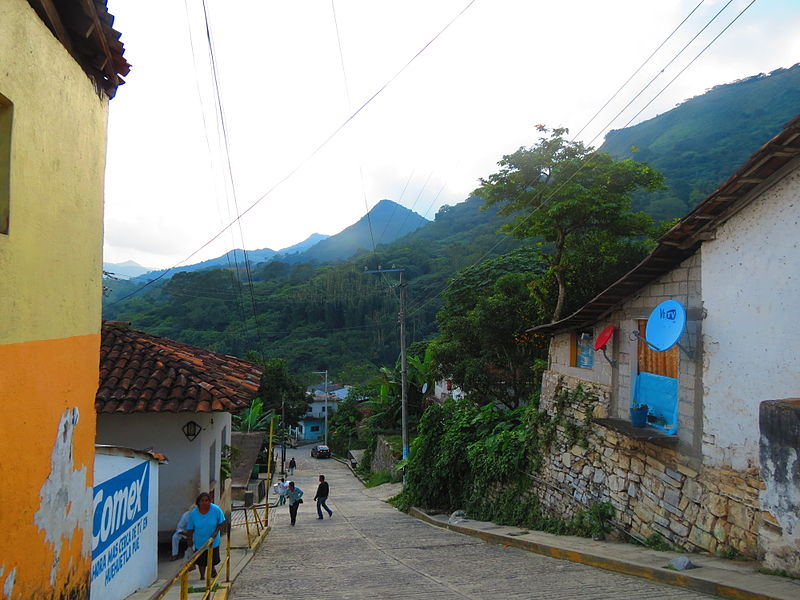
x,y
723,475
61,63
177,400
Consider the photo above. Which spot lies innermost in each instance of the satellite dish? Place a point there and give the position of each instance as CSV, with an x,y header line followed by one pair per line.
x,y
424,387
665,325
602,339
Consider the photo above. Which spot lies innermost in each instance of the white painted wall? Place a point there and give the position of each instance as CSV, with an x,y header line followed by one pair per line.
x,y
316,409
189,471
124,536
751,341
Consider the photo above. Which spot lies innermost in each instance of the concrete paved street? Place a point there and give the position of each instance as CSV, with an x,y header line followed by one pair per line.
x,y
370,550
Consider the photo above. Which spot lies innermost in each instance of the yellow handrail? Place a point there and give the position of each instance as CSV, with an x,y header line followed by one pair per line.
x,y
183,574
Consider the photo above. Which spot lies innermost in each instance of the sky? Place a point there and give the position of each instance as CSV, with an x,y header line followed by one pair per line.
x,y
306,146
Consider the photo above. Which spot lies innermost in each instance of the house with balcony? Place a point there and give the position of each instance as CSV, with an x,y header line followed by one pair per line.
x,y
62,62
715,465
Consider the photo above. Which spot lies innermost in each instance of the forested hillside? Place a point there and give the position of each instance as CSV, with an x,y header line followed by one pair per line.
x,y
320,313
320,316
701,142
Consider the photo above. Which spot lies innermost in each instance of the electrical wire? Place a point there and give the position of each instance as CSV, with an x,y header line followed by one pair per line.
x,y
415,309
313,153
350,107
234,277
636,72
226,144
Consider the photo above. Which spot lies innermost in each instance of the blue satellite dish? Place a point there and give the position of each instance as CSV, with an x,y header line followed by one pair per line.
x,y
665,325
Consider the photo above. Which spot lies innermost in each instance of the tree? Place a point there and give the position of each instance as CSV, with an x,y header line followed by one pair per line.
x,y
571,199
483,345
281,392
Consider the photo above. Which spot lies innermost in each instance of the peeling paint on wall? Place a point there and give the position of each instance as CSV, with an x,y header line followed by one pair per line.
x,y
65,497
8,586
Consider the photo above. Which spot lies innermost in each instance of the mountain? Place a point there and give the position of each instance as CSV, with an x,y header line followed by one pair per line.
x,y
236,257
701,142
125,269
323,313
386,222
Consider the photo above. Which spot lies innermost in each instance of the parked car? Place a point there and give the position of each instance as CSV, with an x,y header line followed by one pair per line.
x,y
320,451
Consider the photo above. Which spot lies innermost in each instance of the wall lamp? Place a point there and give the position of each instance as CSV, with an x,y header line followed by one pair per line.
x,y
191,430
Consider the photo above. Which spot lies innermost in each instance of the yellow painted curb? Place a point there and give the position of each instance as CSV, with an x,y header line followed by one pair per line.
x,y
661,575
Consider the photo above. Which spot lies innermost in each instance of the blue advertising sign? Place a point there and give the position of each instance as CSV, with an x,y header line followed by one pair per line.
x,y
119,503
665,325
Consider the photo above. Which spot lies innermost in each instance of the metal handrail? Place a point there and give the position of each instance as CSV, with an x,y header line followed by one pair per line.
x,y
182,575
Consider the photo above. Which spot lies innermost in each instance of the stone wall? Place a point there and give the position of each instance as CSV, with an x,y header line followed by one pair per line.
x,y
652,488
384,457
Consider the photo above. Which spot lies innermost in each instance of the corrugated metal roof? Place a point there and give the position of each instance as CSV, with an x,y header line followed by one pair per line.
x,y
683,240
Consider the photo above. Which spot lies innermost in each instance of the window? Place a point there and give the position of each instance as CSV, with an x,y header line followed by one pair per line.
x,y
315,428
324,408
6,109
581,351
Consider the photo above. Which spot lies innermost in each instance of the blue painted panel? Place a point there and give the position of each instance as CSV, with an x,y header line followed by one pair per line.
x,y
661,396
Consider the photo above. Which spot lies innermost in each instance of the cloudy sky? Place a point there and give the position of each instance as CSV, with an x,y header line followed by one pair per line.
x,y
291,74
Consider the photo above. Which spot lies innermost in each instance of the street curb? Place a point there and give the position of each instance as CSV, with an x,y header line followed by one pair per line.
x,y
662,575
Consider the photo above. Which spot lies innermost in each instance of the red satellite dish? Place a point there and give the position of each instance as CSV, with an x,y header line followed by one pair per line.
x,y
602,339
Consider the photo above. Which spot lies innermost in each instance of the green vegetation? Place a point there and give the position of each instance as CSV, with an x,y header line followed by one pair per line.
x,y
576,204
380,477
778,573
701,142
483,459
655,541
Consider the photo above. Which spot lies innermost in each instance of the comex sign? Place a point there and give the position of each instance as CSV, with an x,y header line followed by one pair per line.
x,y
120,516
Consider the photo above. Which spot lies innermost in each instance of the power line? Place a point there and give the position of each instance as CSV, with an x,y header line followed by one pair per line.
x,y
234,277
663,69
350,107
546,200
636,72
699,54
226,144
314,152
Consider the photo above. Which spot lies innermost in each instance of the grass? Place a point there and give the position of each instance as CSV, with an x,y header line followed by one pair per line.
x,y
379,478
778,573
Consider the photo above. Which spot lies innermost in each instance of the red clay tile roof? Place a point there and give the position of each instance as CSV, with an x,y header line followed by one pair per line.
x,y
140,372
685,237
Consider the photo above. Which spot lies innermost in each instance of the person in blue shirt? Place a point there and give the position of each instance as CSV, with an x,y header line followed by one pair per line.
x,y
205,521
294,495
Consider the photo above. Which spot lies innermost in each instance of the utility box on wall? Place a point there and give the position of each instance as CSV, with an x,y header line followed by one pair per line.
x,y
124,522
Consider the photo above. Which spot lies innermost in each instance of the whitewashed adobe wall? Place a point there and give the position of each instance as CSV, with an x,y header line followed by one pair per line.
x,y
190,470
751,337
124,523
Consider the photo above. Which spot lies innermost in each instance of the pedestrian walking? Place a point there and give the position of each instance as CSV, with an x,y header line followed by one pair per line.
x,y
280,490
323,490
205,522
292,466
294,495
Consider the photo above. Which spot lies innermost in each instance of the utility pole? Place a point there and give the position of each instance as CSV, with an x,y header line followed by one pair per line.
x,y
325,410
403,366
283,437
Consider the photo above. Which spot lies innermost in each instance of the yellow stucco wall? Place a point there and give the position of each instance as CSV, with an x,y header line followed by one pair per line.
x,y
50,295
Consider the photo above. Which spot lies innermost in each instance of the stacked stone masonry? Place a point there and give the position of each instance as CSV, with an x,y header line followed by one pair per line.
x,y
652,488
